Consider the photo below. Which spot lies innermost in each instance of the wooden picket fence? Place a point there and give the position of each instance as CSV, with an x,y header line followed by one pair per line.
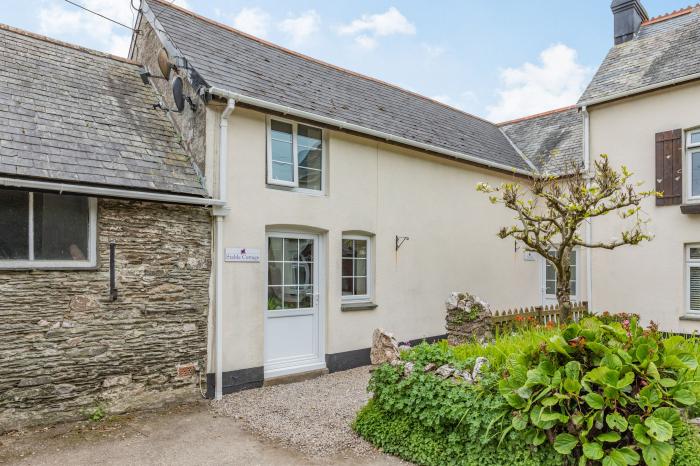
x,y
511,319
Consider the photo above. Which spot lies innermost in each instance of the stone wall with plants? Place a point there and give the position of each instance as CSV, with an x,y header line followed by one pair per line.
x,y
68,352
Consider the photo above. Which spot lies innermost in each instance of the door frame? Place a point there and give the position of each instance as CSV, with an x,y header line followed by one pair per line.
x,y
543,280
288,366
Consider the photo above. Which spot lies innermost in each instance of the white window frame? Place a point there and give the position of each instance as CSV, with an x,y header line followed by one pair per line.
x,y
365,298
294,185
688,264
32,263
574,277
690,149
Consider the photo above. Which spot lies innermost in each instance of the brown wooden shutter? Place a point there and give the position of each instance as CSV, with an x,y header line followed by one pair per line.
x,y
669,160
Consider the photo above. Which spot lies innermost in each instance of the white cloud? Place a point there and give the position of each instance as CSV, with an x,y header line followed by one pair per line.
x,y
61,20
255,21
302,27
368,28
558,80
366,42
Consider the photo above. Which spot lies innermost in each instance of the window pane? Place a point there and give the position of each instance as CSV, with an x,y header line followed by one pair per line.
x,y
14,224
550,272
360,267
291,294
306,294
695,173
291,249
274,249
348,248
347,286
282,151
281,131
360,285
572,287
694,288
291,275
61,227
274,298
309,137
305,273
310,158
550,287
694,253
282,171
360,248
274,273
347,268
309,179
306,250
695,138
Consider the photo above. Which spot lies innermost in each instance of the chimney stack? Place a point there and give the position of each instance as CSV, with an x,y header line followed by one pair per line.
x,y
629,15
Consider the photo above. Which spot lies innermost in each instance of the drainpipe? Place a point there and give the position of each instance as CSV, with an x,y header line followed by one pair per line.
x,y
219,213
589,223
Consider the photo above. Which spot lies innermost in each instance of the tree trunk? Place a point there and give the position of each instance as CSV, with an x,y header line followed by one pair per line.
x,y
564,293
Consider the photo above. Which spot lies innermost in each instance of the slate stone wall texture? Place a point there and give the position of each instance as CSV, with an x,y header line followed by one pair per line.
x,y
66,349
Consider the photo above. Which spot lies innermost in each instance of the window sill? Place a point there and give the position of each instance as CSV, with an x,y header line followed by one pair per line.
x,y
47,268
695,317
348,307
693,208
292,189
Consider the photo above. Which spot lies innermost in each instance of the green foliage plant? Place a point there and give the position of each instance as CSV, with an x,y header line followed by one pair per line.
x,y
609,394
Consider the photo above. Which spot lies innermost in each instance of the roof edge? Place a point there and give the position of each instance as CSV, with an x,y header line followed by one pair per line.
x,y
67,45
665,16
312,59
255,102
639,90
537,115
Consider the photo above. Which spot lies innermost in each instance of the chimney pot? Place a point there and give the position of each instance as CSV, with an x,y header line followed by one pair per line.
x,y
628,16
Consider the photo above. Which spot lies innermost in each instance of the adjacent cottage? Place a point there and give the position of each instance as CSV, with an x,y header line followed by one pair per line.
x,y
105,239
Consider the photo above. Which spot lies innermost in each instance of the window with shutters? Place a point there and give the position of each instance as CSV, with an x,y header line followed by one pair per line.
x,y
692,154
669,167
692,256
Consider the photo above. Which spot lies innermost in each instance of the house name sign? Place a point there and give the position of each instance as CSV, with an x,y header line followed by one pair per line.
x,y
242,255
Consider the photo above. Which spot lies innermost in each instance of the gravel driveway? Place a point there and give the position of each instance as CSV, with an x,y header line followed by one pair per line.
x,y
313,416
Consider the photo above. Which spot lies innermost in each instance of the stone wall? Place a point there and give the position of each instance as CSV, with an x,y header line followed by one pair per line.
x,y
468,318
66,349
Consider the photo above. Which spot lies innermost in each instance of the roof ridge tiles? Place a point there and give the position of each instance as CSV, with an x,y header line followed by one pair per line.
x,y
315,60
670,15
23,32
537,115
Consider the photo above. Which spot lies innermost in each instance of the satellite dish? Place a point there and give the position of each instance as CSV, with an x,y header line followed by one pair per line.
x,y
164,63
178,95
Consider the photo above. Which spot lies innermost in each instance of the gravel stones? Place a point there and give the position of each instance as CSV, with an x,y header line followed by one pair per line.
x,y
313,416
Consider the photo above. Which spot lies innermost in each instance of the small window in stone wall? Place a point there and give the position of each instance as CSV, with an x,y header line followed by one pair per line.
x,y
46,230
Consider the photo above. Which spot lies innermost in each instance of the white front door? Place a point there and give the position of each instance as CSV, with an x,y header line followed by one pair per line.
x,y
293,330
549,281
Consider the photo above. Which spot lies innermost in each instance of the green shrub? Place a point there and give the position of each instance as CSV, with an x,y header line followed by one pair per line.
x,y
464,355
428,420
608,393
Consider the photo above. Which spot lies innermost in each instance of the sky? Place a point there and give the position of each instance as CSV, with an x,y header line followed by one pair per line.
x,y
496,59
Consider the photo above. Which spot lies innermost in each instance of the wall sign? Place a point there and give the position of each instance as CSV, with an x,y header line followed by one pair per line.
x,y
242,255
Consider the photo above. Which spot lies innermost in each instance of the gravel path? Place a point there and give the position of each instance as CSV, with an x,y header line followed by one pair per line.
x,y
313,416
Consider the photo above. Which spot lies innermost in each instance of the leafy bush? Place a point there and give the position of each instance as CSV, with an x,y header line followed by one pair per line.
x,y
608,318
428,420
603,393
464,355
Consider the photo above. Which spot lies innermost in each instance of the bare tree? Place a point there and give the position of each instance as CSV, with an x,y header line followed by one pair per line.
x,y
551,212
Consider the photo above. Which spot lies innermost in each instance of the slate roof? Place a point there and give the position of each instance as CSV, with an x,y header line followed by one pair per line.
x,y
553,141
74,115
665,48
237,62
